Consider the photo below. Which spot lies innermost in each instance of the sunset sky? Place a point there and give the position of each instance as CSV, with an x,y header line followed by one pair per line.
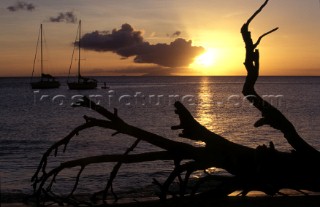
x,y
159,37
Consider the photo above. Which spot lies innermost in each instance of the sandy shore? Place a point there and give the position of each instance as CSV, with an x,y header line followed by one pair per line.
x,y
292,201
253,200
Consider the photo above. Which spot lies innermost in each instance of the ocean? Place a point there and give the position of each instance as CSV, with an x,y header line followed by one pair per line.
x,y
32,120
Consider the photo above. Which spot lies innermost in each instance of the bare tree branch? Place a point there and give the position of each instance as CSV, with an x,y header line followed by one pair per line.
x,y
265,34
257,12
271,115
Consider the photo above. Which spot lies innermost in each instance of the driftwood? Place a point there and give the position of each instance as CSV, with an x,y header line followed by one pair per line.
x,y
264,168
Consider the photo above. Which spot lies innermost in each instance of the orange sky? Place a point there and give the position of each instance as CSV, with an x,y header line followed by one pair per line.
x,y
211,24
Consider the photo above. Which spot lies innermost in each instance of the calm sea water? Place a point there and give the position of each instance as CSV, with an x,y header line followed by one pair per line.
x,y
32,120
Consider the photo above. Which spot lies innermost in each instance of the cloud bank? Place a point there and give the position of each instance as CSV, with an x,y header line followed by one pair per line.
x,y
20,5
68,17
127,42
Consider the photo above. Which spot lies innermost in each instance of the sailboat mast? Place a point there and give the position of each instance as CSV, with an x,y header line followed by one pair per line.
x,y
79,51
41,51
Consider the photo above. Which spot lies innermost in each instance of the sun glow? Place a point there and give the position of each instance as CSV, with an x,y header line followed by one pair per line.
x,y
206,60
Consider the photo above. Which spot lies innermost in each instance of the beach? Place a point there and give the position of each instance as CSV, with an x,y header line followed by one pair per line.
x,y
289,198
258,201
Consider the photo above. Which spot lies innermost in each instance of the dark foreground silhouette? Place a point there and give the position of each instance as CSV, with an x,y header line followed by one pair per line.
x,y
264,169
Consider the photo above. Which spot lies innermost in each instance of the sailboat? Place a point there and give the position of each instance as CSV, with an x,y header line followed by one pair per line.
x,y
46,81
82,83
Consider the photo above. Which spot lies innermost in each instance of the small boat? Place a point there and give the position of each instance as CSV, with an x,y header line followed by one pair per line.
x,y
46,81
82,83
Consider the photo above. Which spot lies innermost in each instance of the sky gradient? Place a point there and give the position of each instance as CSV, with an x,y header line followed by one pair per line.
x,y
159,37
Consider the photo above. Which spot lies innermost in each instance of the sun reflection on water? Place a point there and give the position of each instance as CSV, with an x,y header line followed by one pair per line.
x,y
205,105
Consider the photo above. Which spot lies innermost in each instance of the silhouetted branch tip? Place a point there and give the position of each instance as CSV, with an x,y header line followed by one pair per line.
x,y
265,34
256,13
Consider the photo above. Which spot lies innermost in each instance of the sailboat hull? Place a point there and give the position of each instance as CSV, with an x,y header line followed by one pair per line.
x,y
45,84
82,85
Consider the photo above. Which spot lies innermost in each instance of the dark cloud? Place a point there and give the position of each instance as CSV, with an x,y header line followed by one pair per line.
x,y
20,5
129,43
105,41
68,17
135,71
175,34
178,53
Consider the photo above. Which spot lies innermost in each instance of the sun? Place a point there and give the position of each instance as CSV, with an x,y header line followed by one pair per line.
x,y
205,60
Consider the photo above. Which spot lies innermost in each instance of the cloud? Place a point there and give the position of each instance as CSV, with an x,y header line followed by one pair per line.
x,y
127,42
175,34
134,71
20,5
68,17
178,53
105,41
